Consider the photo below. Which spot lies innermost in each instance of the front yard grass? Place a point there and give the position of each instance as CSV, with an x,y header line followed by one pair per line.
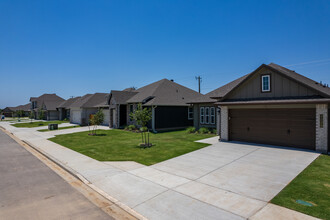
x,y
120,145
313,186
61,128
37,124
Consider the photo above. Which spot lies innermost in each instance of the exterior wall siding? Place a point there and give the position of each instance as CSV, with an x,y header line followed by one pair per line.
x,y
280,87
322,127
197,122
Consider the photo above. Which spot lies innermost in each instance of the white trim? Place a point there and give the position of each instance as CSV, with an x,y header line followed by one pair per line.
x,y
262,83
192,113
207,115
212,115
201,115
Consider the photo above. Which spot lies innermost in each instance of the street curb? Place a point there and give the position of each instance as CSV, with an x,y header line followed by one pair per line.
x,y
82,178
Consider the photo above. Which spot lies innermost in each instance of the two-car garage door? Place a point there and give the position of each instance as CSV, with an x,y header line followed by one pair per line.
x,y
285,127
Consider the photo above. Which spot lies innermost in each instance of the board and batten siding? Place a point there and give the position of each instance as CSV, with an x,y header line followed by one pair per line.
x,y
197,122
281,86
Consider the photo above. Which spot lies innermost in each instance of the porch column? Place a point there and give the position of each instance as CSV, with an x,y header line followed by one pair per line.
x,y
321,128
218,121
224,123
153,120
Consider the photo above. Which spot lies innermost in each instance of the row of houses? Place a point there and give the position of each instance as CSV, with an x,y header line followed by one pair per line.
x,y
271,105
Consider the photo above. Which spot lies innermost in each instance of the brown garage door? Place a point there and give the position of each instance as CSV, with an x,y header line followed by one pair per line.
x,y
285,127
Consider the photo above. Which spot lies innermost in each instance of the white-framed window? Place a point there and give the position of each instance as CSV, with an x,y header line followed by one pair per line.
x,y
190,113
265,83
212,113
201,115
207,115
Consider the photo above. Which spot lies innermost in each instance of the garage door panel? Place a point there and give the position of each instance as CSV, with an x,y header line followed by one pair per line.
x,y
287,127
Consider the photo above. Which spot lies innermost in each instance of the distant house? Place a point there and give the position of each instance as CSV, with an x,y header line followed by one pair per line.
x,y
47,103
11,111
274,105
166,99
118,107
83,107
64,108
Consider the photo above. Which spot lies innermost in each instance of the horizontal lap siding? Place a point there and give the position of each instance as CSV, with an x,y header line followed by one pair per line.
x,y
270,126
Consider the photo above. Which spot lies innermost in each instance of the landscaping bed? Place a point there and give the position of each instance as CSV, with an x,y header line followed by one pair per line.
x,y
37,124
309,192
121,145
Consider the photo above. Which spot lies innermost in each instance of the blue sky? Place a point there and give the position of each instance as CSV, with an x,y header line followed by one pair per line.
x,y
76,47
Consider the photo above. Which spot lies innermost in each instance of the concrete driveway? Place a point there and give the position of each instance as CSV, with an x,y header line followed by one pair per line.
x,y
222,181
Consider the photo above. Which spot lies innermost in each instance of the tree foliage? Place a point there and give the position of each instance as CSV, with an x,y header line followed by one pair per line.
x,y
142,116
96,120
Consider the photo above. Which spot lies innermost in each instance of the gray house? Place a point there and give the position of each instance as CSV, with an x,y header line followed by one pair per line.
x,y
47,103
167,101
64,108
11,111
277,106
83,107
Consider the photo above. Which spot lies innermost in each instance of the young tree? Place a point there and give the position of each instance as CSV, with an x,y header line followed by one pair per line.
x,y
142,116
96,120
31,116
41,114
19,113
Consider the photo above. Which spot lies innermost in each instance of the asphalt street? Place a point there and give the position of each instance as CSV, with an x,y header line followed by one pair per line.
x,y
31,190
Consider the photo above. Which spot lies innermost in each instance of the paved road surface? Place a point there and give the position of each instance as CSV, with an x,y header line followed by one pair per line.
x,y
31,190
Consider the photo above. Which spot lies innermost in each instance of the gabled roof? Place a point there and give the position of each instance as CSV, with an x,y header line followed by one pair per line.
x,y
91,101
26,107
301,79
121,97
164,92
68,103
49,101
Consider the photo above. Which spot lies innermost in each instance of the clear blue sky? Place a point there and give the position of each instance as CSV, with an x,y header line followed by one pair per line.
x,y
76,47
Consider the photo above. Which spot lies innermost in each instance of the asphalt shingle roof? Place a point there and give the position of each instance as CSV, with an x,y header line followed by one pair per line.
x,y
121,97
68,103
164,92
50,101
91,101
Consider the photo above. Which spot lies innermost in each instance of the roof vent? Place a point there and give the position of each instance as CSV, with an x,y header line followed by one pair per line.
x,y
172,80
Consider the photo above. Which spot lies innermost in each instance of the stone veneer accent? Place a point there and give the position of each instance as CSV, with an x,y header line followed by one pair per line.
x,y
224,123
322,133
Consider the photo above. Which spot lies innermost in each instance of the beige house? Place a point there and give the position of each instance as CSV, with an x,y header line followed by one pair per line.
x,y
277,106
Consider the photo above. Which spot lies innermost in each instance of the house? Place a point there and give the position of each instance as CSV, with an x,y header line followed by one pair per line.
x,y
83,107
8,111
118,107
25,108
277,106
206,111
47,103
167,101
64,108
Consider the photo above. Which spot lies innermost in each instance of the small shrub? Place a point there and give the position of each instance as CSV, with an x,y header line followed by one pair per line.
x,y
214,131
143,129
131,127
191,130
203,130
126,127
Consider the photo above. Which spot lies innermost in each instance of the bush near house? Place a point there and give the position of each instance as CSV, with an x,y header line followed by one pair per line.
x,y
191,130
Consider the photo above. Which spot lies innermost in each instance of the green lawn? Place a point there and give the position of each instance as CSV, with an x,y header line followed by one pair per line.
x,y
37,124
313,186
44,130
120,145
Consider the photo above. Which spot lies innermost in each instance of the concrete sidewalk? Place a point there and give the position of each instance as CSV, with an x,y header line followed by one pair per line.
x,y
222,181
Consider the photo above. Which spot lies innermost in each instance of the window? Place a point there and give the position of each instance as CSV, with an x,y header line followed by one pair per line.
x,y
265,83
190,113
131,109
202,115
207,115
212,110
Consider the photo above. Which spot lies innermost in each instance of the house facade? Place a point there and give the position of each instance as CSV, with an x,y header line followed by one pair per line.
x,y
48,103
167,101
277,106
64,108
84,107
